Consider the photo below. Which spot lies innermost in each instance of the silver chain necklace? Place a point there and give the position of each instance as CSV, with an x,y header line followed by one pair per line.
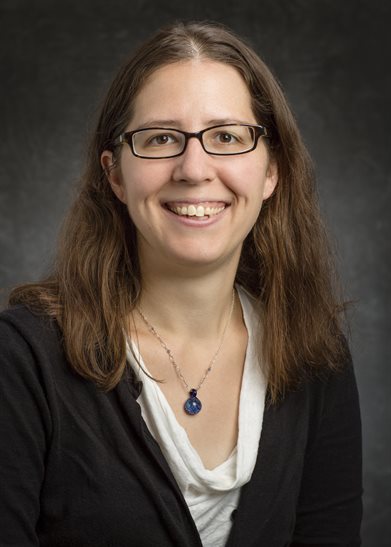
x,y
192,405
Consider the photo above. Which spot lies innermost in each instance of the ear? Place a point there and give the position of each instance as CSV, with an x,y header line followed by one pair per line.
x,y
271,179
113,175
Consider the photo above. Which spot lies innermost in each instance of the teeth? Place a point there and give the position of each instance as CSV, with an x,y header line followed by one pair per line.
x,y
197,211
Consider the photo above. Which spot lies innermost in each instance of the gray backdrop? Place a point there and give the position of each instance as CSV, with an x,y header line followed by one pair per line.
x,y
333,60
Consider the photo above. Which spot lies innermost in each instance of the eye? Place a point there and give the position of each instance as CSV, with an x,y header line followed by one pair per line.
x,y
161,139
226,138
231,137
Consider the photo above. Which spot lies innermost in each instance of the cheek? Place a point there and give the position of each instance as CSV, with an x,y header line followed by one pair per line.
x,y
136,185
142,183
248,173
248,181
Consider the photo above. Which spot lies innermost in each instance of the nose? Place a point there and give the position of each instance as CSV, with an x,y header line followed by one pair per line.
x,y
194,165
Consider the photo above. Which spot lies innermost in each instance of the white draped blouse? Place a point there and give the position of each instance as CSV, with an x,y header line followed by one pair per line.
x,y
211,494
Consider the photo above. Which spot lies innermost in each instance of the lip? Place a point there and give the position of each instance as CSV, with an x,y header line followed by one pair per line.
x,y
205,201
190,221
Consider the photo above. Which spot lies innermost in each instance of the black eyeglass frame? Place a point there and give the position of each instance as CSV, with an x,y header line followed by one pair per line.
x,y
127,137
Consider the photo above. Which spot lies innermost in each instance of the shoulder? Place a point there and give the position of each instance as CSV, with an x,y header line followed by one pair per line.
x,y
332,385
19,322
332,404
30,343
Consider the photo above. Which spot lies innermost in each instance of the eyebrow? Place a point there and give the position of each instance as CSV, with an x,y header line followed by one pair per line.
x,y
177,124
158,123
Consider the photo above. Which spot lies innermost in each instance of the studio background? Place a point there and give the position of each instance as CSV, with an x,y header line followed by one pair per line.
x,y
333,60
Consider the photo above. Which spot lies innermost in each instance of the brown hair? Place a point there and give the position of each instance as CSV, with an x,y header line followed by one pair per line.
x,y
285,262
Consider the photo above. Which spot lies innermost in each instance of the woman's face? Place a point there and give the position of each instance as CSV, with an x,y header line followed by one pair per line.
x,y
192,96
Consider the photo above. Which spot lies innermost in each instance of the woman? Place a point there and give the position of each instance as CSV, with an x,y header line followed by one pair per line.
x,y
181,378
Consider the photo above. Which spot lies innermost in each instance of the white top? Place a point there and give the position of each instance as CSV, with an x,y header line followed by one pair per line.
x,y
211,495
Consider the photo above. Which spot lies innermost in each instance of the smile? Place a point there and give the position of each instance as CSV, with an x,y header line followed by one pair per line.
x,y
197,210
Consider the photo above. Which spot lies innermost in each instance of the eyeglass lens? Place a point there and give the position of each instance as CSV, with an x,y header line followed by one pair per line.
x,y
231,139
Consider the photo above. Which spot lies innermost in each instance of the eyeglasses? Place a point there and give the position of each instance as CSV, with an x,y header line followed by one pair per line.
x,y
220,140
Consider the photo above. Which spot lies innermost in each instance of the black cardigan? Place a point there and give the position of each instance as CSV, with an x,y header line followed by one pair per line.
x,y
78,467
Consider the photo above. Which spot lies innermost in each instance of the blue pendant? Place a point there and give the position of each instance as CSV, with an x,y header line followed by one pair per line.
x,y
192,405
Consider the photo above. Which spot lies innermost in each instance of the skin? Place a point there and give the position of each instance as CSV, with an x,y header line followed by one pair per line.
x,y
191,95
188,268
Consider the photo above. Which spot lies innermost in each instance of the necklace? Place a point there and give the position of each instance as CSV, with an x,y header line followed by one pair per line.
x,y
192,405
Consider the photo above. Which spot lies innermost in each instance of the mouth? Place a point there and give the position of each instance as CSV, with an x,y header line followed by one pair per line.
x,y
197,211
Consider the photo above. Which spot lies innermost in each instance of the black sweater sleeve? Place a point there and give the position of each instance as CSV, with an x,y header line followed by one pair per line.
x,y
329,507
25,426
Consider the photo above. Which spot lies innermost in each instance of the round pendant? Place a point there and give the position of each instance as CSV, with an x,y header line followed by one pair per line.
x,y
192,405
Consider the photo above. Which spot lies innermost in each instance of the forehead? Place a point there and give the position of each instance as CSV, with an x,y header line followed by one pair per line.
x,y
193,91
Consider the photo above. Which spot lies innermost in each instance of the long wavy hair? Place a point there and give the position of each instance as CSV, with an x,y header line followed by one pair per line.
x,y
285,262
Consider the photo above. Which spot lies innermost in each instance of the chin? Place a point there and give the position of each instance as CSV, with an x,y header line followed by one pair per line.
x,y
205,258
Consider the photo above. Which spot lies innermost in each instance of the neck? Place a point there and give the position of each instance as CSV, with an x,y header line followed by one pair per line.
x,y
191,306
